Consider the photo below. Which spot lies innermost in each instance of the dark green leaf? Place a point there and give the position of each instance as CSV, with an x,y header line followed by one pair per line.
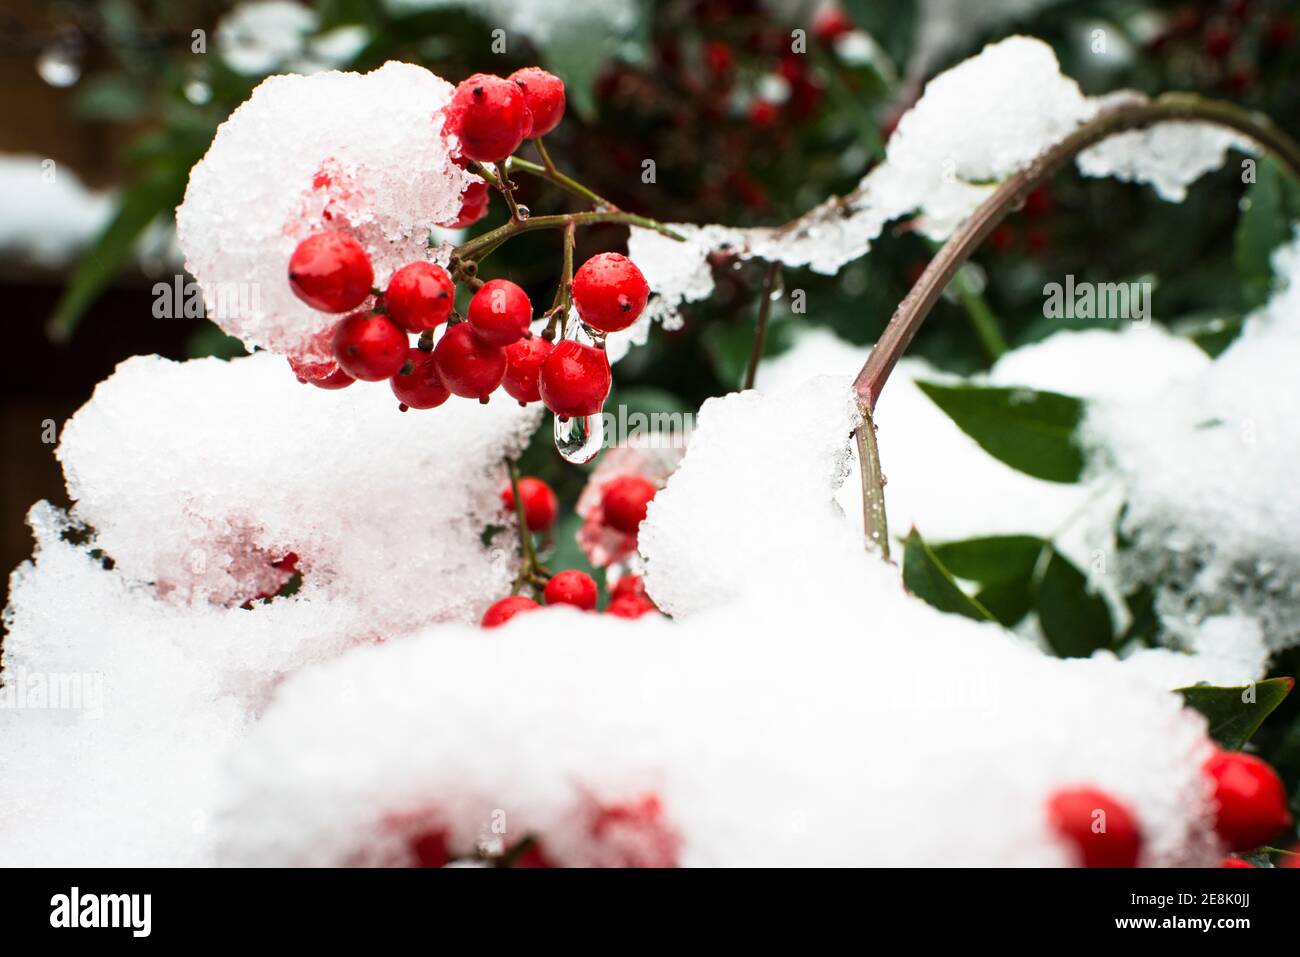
x,y
925,577
1075,621
730,344
139,205
1271,208
1008,601
1029,430
892,25
1234,714
997,558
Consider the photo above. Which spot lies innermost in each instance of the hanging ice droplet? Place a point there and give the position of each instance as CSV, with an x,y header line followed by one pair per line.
x,y
522,212
58,65
578,439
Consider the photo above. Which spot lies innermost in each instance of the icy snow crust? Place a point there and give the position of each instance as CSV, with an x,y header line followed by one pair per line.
x,y
361,153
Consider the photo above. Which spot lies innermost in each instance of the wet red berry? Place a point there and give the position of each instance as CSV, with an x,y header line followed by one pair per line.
x,y
544,94
421,387
420,296
609,292
473,206
523,363
331,272
489,116
540,504
630,606
571,587
1103,832
574,379
469,366
1251,801
369,346
500,312
623,502
1236,862
500,612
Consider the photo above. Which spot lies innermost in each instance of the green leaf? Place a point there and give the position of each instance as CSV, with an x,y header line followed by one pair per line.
x,y
997,558
730,344
892,25
927,579
1075,621
1029,430
1271,208
1008,601
139,205
1234,714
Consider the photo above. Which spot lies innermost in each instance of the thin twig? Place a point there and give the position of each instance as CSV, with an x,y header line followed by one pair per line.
x,y
490,239
760,330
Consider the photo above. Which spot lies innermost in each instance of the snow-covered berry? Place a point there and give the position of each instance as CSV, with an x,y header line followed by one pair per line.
x,y
331,272
630,606
500,612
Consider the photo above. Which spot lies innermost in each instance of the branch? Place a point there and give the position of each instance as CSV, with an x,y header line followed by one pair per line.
x,y
760,330
1009,196
490,239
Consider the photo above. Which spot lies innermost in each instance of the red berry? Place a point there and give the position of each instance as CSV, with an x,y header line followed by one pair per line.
x,y
1251,800
420,296
1218,40
1279,33
1236,862
571,587
544,94
523,363
331,272
500,312
489,116
473,205
338,379
718,58
609,292
762,113
831,23
469,367
623,502
429,849
369,346
627,585
422,387
540,504
1102,830
630,606
574,379
502,611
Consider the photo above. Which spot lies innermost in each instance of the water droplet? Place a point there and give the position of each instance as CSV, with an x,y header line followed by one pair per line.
x,y
522,212
58,66
578,439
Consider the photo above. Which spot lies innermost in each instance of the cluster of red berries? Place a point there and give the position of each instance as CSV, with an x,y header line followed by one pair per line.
x,y
492,347
1251,809
1227,44
624,502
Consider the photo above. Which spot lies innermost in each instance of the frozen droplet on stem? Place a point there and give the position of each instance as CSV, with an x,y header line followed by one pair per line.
x,y
578,438
522,213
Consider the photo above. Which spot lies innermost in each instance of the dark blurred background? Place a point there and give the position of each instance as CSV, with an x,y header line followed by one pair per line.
x,y
743,132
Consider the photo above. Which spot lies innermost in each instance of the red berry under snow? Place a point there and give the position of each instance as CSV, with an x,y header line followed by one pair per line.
x,y
628,585
571,587
574,379
624,500
500,312
422,387
489,116
420,296
1236,862
369,346
1252,806
630,606
1101,829
331,272
338,379
609,292
500,612
473,206
540,504
469,367
544,94
523,363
